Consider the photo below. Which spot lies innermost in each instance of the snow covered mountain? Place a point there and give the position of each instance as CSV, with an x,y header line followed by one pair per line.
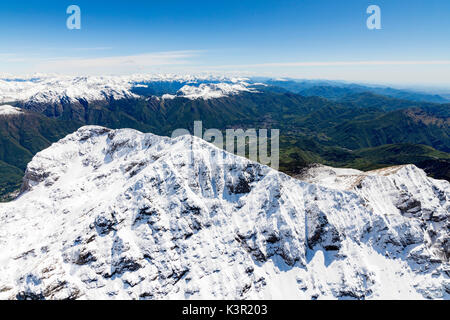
x,y
56,89
210,90
120,214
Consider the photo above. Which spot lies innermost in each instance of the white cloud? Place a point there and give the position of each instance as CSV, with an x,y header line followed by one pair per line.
x,y
131,63
102,65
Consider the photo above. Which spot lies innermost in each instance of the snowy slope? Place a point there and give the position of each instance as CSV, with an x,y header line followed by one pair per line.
x,y
121,214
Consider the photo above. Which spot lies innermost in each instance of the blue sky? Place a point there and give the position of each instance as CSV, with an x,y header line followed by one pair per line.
x,y
283,38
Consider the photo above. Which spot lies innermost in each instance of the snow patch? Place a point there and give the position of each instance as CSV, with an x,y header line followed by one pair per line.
x,y
7,110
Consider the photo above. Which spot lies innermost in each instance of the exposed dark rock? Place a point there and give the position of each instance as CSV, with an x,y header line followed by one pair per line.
x,y
408,205
320,231
26,295
104,225
241,187
85,257
125,264
256,252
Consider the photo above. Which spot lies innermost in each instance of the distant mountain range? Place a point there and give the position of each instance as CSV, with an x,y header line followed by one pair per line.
x,y
337,125
337,90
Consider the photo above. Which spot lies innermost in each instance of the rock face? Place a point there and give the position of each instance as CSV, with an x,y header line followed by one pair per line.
x,y
125,215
